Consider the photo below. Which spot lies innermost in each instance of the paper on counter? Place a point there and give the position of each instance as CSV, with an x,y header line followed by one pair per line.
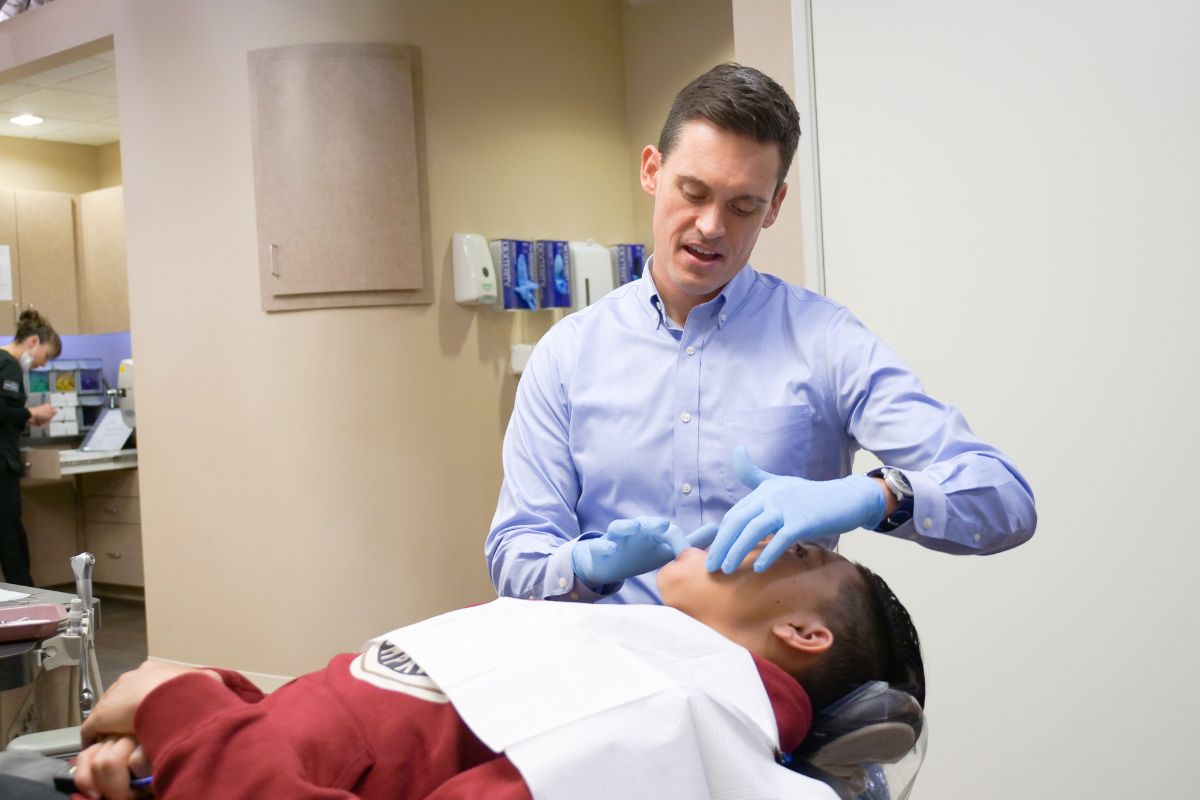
x,y
6,595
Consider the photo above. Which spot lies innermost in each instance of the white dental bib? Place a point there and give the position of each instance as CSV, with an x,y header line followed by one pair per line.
x,y
603,702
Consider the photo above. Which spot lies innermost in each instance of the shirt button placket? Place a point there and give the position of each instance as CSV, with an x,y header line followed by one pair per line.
x,y
686,431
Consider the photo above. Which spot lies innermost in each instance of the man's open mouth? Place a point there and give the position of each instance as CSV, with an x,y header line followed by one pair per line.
x,y
701,253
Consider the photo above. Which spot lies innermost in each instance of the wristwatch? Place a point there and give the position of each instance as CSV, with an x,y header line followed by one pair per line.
x,y
899,486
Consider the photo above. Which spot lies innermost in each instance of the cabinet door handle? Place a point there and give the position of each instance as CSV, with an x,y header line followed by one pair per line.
x,y
111,510
273,248
112,555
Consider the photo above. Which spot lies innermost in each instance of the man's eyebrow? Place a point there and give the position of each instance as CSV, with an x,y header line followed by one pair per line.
x,y
691,179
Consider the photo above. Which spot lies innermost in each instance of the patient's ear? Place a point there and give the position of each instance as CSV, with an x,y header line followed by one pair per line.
x,y
811,638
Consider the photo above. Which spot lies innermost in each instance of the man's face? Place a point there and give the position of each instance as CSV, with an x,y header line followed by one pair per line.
x,y
712,195
801,582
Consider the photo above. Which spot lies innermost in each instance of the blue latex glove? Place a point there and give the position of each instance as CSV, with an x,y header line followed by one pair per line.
x,y
560,274
632,546
793,509
525,288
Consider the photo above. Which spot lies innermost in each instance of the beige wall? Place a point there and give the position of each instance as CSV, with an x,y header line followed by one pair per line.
x,y
108,165
667,43
50,166
312,478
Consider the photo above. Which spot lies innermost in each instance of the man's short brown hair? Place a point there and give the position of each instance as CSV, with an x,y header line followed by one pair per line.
x,y
740,100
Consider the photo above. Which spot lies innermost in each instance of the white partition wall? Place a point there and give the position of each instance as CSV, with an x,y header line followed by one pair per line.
x,y
1011,198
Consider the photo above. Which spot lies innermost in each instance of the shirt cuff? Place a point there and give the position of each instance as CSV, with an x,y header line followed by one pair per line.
x,y
561,582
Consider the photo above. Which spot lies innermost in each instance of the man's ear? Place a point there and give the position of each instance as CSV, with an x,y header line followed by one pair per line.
x,y
651,167
811,638
776,202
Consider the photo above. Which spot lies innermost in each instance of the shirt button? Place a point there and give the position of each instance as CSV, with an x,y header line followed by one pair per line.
x,y
978,536
691,351
574,595
723,318
927,523
686,417
562,583
686,488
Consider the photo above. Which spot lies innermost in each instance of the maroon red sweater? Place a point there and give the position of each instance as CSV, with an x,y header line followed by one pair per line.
x,y
330,735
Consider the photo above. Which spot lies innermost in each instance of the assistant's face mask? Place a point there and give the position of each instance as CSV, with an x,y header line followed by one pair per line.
x,y
27,360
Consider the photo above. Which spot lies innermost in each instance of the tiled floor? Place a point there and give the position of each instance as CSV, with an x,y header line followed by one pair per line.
x,y
121,640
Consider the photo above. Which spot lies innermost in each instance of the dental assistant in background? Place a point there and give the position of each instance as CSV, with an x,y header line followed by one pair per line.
x,y
707,392
34,344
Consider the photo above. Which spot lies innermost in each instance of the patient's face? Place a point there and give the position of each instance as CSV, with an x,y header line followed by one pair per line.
x,y
803,579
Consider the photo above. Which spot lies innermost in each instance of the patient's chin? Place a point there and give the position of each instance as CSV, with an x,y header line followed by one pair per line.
x,y
675,576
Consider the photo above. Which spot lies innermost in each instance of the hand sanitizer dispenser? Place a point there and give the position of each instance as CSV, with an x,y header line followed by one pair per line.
x,y
474,273
591,273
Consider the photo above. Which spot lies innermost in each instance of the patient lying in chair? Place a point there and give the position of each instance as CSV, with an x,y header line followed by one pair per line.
x,y
519,699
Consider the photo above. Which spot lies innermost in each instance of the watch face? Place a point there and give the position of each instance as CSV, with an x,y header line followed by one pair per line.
x,y
896,477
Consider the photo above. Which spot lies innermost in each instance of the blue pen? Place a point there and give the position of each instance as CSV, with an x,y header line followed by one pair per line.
x,y
65,781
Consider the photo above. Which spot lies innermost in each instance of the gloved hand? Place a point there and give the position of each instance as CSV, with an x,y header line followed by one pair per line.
x,y
793,509
632,546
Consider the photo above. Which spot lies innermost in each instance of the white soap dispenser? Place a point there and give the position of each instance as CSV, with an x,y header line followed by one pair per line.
x,y
474,273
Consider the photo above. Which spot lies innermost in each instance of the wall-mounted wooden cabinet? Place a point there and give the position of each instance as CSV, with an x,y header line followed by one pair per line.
x,y
103,285
39,230
68,258
337,175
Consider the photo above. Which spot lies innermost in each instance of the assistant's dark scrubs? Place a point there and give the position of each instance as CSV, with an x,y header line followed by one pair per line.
x,y
14,545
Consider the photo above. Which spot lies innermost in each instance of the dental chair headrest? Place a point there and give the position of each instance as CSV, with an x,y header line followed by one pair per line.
x,y
852,739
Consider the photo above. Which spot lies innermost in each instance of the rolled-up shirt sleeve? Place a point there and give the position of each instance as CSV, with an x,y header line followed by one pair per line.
x,y
968,496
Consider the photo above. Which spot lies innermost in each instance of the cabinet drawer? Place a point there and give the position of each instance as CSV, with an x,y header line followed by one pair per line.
x,y
118,551
125,510
115,482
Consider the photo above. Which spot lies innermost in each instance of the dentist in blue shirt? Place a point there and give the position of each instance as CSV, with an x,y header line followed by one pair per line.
x,y
709,393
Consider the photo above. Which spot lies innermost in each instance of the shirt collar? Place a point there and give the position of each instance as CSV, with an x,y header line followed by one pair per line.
x,y
728,301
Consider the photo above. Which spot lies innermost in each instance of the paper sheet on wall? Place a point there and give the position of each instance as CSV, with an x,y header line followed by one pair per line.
x,y
109,433
6,281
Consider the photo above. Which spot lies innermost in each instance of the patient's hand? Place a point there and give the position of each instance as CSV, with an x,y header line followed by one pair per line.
x,y
114,713
105,769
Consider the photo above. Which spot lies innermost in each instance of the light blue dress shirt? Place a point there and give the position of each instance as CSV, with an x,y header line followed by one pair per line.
x,y
621,413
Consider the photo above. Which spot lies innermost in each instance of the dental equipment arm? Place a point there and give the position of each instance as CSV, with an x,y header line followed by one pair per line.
x,y
82,565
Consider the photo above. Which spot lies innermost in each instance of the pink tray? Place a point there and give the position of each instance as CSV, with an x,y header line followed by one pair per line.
x,y
36,622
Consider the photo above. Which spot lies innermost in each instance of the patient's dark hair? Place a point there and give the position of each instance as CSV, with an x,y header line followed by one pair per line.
x,y
873,640
740,100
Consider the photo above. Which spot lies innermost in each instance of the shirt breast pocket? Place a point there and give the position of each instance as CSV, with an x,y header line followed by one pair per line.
x,y
779,439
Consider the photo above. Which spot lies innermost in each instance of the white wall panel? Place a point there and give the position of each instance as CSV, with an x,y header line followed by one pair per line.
x,y
1011,195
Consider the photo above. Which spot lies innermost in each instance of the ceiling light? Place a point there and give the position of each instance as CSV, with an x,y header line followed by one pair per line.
x,y
26,119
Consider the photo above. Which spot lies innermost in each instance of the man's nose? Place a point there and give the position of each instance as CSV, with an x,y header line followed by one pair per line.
x,y
711,222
